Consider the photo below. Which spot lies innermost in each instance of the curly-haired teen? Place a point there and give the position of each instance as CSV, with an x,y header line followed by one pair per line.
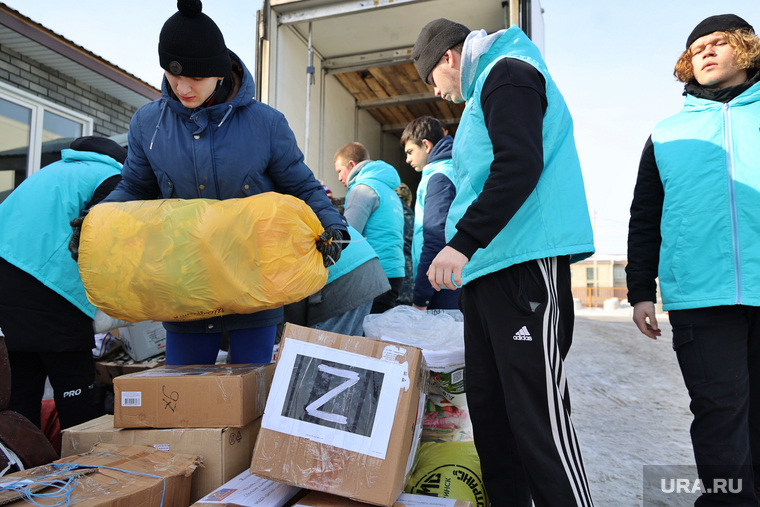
x,y
695,223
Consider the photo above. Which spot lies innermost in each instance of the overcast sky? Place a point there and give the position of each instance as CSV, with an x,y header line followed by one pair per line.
x,y
612,59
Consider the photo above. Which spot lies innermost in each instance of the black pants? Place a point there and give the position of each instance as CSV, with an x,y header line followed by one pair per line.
x,y
518,326
718,351
72,375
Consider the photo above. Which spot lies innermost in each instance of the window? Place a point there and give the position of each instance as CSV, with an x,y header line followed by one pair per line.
x,y
32,133
618,273
590,274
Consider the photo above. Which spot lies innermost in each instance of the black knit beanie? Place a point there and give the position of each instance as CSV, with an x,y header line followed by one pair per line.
x,y
434,40
102,145
718,23
192,45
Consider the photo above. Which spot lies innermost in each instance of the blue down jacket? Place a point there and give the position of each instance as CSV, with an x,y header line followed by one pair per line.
x,y
233,149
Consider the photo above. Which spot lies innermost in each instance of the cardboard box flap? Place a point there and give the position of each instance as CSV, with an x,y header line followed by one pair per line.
x,y
123,475
140,459
225,452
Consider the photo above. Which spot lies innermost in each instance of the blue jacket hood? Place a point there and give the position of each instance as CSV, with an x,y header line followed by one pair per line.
x,y
441,150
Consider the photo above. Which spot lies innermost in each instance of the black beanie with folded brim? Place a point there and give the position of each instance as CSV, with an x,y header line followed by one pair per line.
x,y
434,40
102,145
718,23
192,45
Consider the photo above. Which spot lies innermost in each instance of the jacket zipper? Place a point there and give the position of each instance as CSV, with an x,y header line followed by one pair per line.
x,y
732,200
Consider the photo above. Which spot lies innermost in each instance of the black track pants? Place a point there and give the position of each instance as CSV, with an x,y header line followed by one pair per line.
x,y
518,326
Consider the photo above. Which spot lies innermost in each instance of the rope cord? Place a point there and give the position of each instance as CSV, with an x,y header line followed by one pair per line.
x,y
62,487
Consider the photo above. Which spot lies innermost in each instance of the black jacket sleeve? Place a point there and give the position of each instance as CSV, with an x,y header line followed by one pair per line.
x,y
103,190
644,237
514,102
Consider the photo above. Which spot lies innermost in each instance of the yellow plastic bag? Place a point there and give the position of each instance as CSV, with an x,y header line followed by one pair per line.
x,y
448,470
179,260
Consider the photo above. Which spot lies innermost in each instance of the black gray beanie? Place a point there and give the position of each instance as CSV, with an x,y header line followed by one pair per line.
x,y
718,23
434,40
192,45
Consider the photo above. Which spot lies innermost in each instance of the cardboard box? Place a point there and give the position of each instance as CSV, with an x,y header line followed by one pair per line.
x,y
136,475
247,490
213,396
225,451
318,499
142,340
106,371
344,415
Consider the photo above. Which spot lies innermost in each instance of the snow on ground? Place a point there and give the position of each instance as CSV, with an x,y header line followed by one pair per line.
x,y
630,405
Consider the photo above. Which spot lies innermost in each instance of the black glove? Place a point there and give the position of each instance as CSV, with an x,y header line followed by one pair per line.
x,y
328,244
76,224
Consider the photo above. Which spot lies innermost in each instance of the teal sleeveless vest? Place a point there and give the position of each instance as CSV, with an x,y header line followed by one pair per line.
x,y
554,220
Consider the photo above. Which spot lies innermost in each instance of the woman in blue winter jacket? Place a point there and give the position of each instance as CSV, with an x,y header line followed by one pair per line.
x,y
695,225
207,137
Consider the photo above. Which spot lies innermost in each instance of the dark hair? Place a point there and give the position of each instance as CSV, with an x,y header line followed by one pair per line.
x,y
424,127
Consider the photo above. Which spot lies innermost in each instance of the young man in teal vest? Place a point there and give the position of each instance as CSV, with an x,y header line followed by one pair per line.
x,y
374,209
695,223
428,150
517,222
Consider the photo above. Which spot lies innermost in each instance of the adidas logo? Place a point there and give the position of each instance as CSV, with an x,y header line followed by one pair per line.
x,y
523,335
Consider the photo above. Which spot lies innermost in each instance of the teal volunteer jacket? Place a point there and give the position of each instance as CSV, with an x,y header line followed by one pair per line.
x,y
707,156
384,228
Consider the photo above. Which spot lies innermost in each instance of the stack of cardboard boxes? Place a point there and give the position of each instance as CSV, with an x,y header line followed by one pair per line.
x,y
341,426
210,411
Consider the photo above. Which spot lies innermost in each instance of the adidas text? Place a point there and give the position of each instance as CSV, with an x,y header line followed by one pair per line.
x,y
523,335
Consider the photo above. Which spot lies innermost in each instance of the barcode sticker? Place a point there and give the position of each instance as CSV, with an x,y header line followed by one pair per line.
x,y
457,376
131,399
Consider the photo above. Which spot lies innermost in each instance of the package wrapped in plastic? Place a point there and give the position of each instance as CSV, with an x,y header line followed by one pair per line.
x,y
179,260
448,470
440,335
446,420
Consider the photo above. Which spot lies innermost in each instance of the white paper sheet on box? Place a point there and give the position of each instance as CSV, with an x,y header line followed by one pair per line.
x,y
395,378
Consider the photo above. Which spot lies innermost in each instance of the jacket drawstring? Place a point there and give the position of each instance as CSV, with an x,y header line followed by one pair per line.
x,y
229,110
158,125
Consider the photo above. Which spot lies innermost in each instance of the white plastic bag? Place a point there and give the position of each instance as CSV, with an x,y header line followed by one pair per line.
x,y
440,335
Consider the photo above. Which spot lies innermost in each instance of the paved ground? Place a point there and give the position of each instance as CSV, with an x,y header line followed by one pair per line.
x,y
630,406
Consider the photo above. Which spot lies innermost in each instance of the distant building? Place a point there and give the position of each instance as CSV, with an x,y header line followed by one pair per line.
x,y
53,91
598,278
